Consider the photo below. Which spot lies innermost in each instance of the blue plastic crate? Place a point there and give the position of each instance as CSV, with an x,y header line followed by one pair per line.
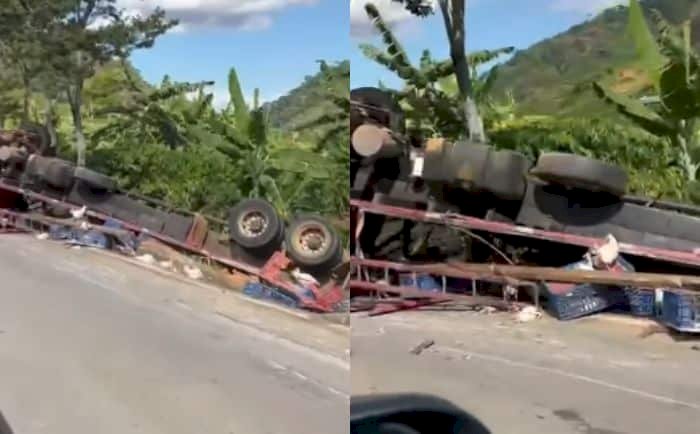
x,y
640,302
583,300
681,311
262,292
423,282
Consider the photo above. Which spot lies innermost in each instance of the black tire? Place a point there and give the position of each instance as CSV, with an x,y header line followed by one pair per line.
x,y
94,179
328,255
506,174
392,115
240,223
59,174
581,172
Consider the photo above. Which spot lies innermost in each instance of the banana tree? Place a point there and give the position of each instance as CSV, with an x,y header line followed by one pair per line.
x,y
453,14
431,96
674,69
268,166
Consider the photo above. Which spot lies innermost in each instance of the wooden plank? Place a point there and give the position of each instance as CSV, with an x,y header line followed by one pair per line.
x,y
549,274
536,274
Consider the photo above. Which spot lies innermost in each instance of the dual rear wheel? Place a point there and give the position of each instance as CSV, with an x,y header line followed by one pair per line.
x,y
310,241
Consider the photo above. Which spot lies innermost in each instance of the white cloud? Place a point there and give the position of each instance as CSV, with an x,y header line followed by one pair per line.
x,y
585,6
234,14
392,12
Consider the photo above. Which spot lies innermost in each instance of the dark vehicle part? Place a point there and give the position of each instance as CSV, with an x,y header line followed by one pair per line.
x,y
118,206
59,174
255,224
41,138
591,214
505,175
371,103
4,426
53,172
22,139
313,243
177,226
410,414
476,167
372,141
581,172
94,179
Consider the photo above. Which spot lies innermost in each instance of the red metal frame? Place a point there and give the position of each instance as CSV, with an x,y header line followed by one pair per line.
x,y
473,223
324,299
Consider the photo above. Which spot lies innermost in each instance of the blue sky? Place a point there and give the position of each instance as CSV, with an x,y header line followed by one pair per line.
x,y
490,24
273,44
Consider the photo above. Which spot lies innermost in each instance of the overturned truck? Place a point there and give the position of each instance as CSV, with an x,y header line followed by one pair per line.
x,y
535,212
254,232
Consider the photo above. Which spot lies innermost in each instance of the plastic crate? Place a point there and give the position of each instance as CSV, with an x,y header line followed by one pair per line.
x,y
640,302
262,292
583,300
424,282
681,311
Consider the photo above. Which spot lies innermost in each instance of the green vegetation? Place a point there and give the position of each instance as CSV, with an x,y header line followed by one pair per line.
x,y
543,99
553,76
167,140
672,66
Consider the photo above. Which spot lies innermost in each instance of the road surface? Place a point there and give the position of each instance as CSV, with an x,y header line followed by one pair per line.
x,y
542,377
90,344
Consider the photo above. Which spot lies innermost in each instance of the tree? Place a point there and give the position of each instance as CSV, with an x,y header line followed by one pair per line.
x,y
431,96
674,68
333,124
85,34
453,12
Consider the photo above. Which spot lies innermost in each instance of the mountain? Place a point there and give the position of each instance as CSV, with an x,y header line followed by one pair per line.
x,y
306,101
554,76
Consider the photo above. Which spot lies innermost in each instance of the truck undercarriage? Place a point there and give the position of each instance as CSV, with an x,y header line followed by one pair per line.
x,y
435,201
254,239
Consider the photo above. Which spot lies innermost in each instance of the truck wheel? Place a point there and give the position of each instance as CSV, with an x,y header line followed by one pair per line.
x,y
313,243
585,173
505,174
58,174
255,224
94,179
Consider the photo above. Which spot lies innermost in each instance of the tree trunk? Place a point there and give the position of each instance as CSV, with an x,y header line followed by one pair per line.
x,y
26,98
453,12
51,127
75,101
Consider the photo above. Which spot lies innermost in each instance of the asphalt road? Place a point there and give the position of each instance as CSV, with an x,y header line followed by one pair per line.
x,y
90,347
542,377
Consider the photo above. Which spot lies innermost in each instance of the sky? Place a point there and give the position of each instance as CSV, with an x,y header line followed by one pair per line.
x,y
490,24
273,44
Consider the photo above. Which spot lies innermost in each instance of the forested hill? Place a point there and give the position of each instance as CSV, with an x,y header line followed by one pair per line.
x,y
308,100
554,75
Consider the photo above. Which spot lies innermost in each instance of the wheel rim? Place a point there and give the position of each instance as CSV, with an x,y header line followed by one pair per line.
x,y
312,239
253,224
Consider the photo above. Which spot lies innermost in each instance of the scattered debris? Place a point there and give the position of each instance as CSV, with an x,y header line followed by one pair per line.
x,y
486,310
527,314
192,272
422,346
42,236
78,213
304,279
147,259
168,265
